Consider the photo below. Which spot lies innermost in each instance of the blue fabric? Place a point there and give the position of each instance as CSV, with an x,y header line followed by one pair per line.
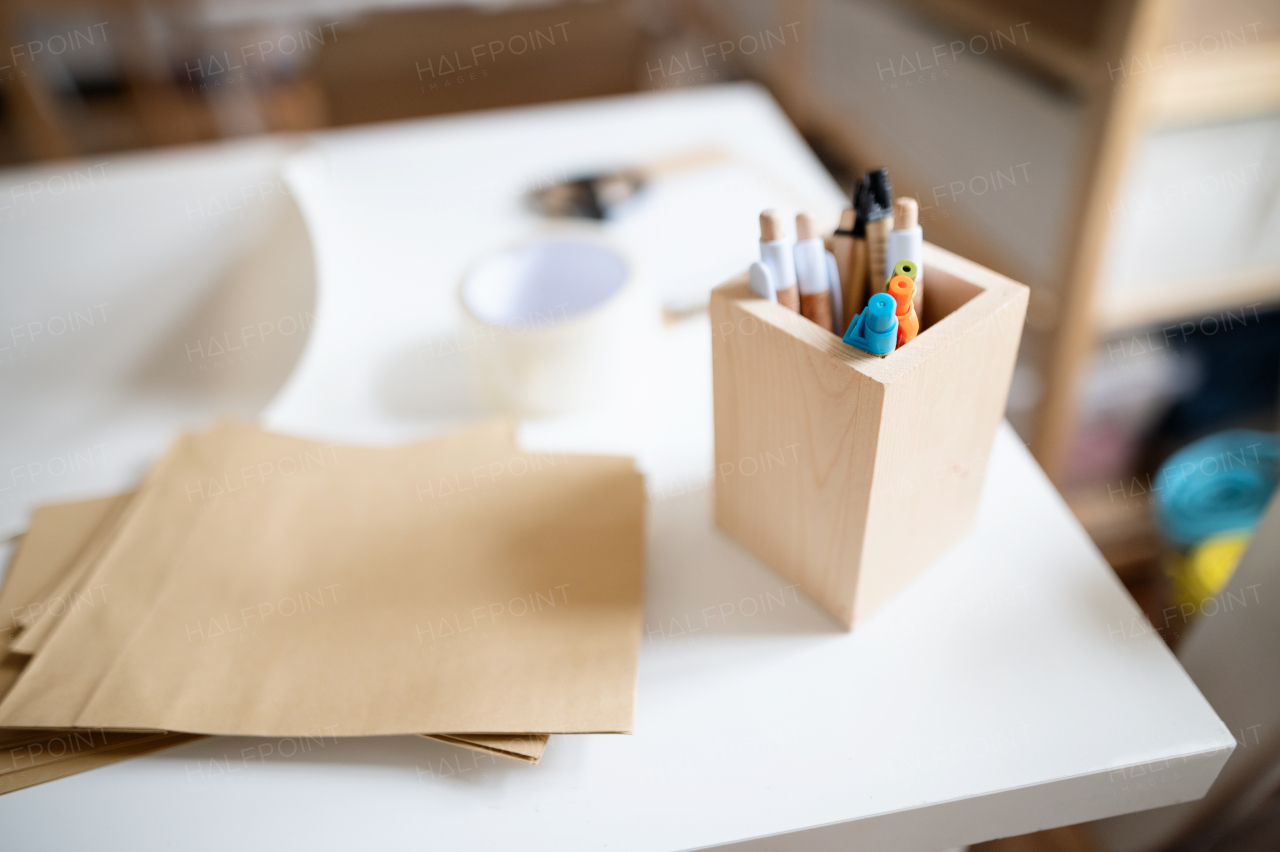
x,y
1219,483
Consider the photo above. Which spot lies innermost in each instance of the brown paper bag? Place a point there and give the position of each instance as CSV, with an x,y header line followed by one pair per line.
x,y
37,585
83,762
539,558
59,540
84,528
69,521
56,538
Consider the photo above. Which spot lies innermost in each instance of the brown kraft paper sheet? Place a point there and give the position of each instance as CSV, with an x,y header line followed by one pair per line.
x,y
539,558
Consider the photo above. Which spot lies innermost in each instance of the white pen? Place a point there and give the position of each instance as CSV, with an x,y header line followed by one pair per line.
x,y
775,252
906,242
811,272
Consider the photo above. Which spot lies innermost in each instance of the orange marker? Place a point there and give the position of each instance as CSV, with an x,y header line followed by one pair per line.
x,y
903,290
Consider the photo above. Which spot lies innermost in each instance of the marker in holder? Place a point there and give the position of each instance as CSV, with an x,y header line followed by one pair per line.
x,y
875,330
903,289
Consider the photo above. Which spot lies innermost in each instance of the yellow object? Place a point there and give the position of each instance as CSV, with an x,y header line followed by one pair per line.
x,y
1205,571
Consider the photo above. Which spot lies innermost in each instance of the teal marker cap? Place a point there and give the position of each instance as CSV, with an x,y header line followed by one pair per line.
x,y
875,330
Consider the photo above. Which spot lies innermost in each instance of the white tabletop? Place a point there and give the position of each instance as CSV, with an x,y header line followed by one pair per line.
x,y
1013,686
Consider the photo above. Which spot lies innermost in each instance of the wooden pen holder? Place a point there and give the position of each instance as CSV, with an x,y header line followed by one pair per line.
x,y
849,473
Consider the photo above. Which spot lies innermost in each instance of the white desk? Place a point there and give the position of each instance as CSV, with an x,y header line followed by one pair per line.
x,y
1012,687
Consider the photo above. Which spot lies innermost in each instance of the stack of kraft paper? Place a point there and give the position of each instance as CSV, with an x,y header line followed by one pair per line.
x,y
262,585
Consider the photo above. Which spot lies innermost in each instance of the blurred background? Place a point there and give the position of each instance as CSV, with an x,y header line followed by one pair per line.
x,y
1120,158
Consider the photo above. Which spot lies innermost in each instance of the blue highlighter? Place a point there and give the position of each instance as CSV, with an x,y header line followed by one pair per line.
x,y
875,330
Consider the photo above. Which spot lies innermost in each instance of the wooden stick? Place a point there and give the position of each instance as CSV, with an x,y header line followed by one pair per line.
x,y
686,161
855,297
842,246
877,243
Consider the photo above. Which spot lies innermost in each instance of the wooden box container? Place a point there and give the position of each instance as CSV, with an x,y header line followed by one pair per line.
x,y
845,472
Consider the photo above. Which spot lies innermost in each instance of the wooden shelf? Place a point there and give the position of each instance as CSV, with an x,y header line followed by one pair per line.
x,y
1123,309
1205,88
1045,54
1224,87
